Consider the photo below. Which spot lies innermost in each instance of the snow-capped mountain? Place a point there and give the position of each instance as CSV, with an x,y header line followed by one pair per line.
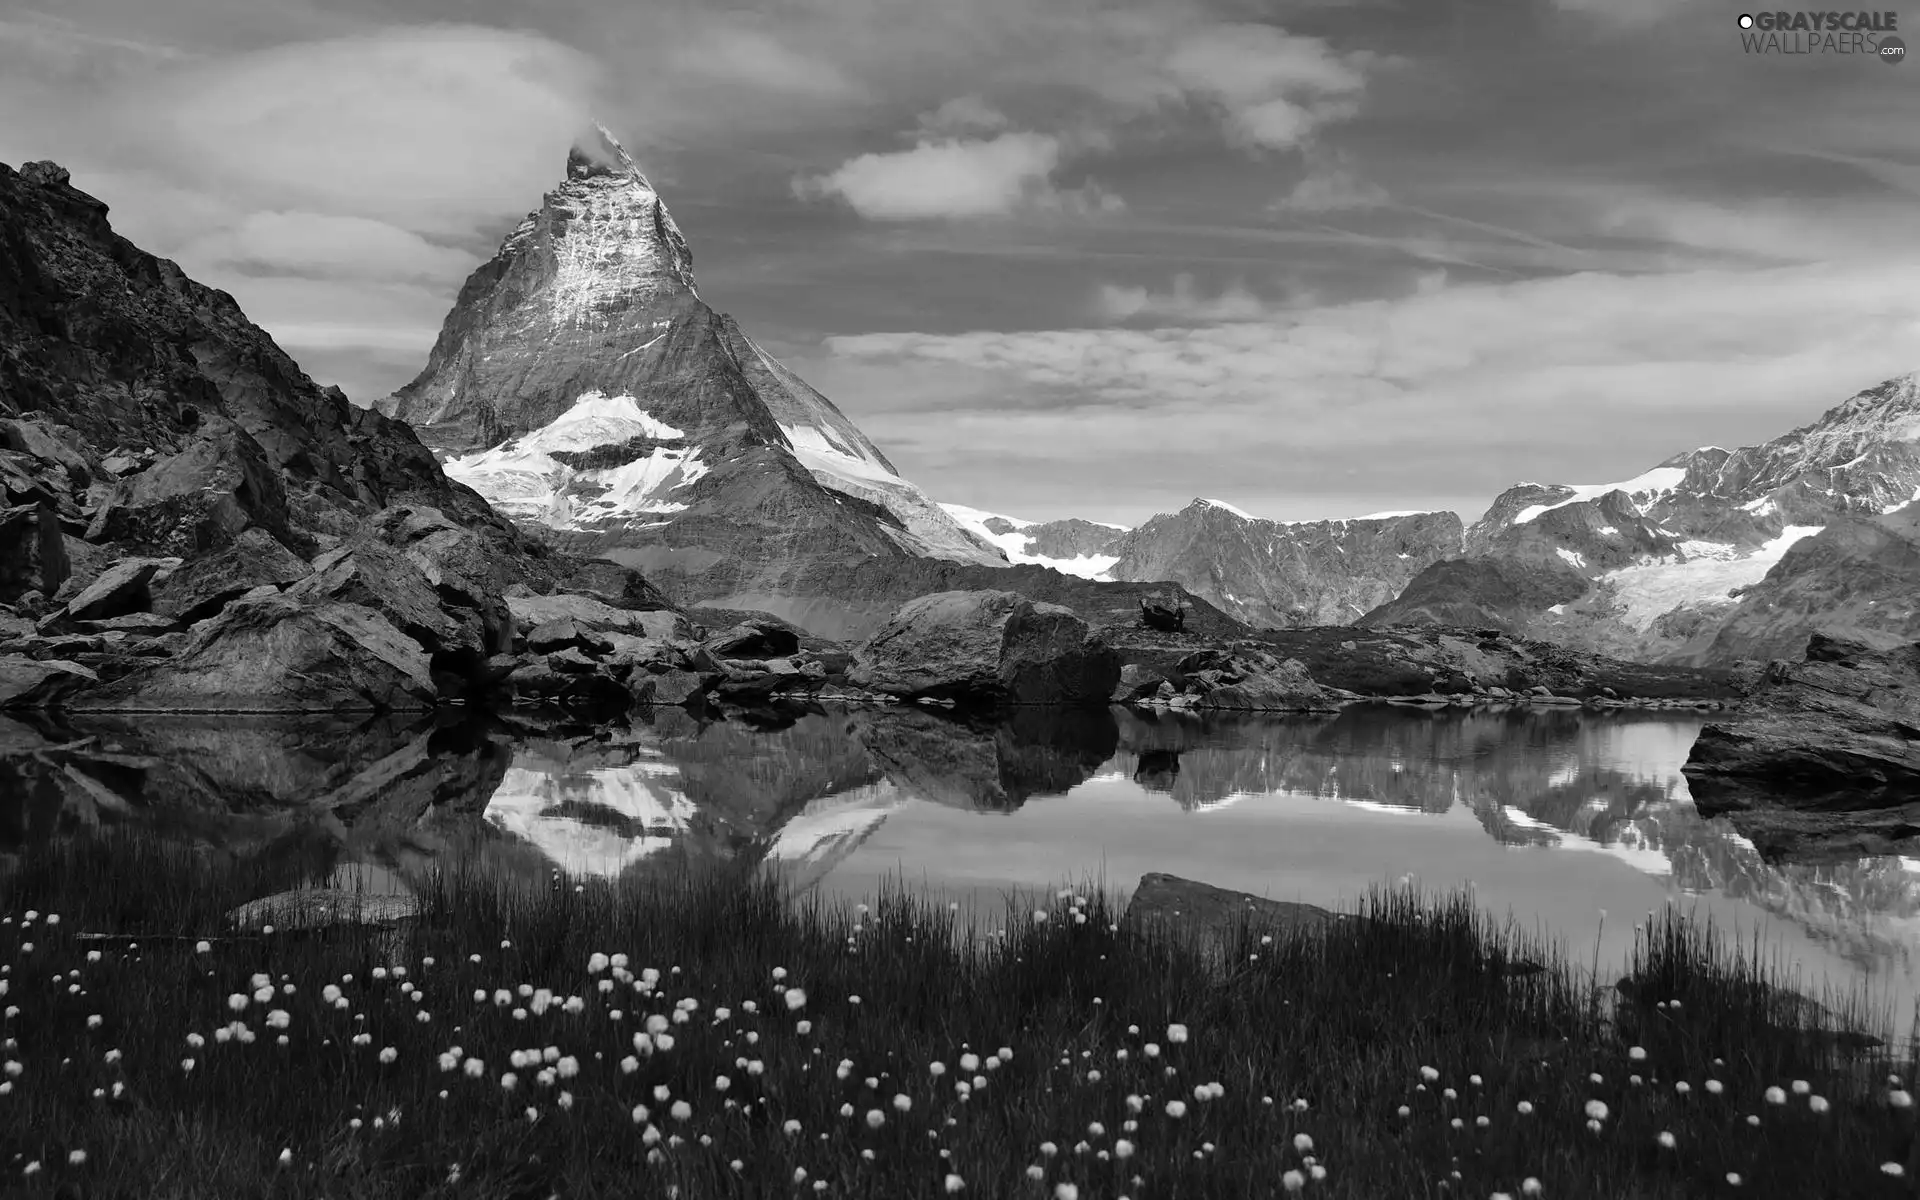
x,y
1269,574
1655,565
580,383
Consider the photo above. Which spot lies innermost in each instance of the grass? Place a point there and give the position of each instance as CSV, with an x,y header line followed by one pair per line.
x,y
1394,1059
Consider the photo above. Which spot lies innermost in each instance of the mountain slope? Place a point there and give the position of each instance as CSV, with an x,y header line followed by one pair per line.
x,y
582,384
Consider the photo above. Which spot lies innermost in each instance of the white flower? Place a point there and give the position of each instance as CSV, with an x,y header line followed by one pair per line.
x,y
902,1103
1062,1191
75,1157
681,1110
1776,1096
1715,1087
1293,1181
1665,1139
1176,1033
796,999
237,1002
1817,1103
388,1054
1637,1054
597,963
1892,1168
1176,1109
955,1183
1900,1099
1596,1110
1302,1144
1801,1087
1429,1074
286,1158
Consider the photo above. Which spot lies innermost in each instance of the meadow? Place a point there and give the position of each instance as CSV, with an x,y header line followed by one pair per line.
x,y
704,1036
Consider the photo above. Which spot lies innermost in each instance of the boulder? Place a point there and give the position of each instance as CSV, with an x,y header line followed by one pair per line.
x,y
120,589
54,444
460,564
537,680
33,555
40,682
565,633
281,653
613,584
204,585
1168,901
375,575
1838,731
199,499
1163,617
1137,683
139,624
1253,680
595,614
754,639
987,646
665,688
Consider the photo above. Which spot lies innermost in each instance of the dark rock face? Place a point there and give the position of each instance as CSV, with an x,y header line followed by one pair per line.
x,y
992,647
375,576
33,554
1068,539
201,588
1837,732
199,499
1278,575
123,588
582,351
40,683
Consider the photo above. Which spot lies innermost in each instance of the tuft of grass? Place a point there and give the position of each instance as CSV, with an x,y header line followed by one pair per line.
x,y
893,1050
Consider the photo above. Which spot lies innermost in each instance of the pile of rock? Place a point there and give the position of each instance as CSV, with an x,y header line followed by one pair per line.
x,y
1242,679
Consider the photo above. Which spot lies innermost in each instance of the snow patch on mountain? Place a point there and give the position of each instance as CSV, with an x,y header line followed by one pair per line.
x,y
1242,513
1645,591
1014,543
522,478
1641,489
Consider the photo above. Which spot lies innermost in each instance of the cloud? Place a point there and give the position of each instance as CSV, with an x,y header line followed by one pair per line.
x,y
1183,304
957,177
1626,15
1449,390
439,128
1274,89
963,114
321,246
1331,189
728,50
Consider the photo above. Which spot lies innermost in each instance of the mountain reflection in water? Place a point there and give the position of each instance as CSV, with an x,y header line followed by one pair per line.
x,y
1551,814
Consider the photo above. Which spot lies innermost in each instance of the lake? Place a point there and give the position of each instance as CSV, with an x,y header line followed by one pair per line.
x,y
1554,816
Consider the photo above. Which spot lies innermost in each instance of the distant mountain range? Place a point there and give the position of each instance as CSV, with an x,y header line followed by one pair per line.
x,y
1712,556
583,387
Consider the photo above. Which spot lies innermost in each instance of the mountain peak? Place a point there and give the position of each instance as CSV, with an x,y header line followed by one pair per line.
x,y
601,154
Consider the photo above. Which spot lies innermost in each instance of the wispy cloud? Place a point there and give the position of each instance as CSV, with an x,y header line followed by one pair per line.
x,y
957,177
1274,89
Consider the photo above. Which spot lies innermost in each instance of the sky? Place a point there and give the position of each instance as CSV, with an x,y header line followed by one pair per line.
x,y
1070,257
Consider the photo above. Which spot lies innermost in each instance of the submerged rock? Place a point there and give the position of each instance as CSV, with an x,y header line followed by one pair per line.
x,y
987,646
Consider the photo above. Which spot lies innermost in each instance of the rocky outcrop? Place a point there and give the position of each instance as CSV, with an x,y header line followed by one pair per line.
x,y
1251,680
199,589
1284,574
987,647
581,384
1837,733
280,653
33,552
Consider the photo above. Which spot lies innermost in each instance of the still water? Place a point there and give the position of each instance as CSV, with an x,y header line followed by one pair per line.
x,y
1576,823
